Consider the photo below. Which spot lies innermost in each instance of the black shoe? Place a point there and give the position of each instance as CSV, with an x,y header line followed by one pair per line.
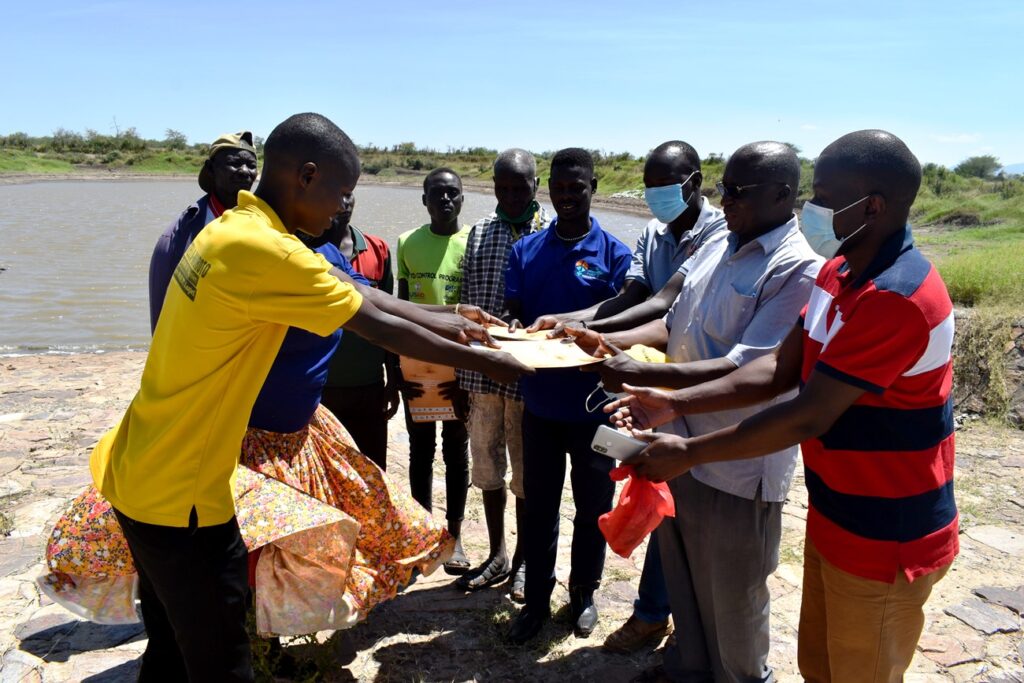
x,y
583,611
526,625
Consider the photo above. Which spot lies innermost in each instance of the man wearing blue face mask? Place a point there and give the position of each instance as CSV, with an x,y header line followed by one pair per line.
x,y
683,222
741,293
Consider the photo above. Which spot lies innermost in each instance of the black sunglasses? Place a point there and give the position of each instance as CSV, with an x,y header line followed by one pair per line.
x,y
736,191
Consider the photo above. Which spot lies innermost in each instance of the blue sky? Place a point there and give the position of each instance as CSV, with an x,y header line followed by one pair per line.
x,y
945,76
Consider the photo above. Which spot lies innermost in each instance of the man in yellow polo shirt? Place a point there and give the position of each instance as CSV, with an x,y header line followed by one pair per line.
x,y
167,467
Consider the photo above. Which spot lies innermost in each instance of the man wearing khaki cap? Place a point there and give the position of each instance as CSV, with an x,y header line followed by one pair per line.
x,y
229,167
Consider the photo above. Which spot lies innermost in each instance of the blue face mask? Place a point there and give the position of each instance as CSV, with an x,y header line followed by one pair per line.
x,y
667,202
816,222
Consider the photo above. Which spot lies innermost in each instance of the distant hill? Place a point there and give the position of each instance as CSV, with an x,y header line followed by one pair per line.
x,y
1014,169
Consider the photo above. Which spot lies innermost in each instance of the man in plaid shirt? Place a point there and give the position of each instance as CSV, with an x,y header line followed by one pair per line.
x,y
496,410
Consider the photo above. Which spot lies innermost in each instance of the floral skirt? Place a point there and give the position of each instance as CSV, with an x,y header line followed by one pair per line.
x,y
335,536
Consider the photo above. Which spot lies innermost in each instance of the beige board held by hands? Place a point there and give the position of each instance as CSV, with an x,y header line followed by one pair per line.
x,y
431,406
520,334
544,353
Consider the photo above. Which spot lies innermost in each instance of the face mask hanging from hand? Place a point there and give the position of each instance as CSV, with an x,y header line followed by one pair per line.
x,y
667,202
816,222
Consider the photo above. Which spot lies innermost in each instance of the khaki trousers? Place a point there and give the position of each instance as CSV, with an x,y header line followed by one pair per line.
x,y
496,422
854,629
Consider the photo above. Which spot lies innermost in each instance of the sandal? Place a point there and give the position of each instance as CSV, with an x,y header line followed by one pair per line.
x,y
485,576
517,589
458,564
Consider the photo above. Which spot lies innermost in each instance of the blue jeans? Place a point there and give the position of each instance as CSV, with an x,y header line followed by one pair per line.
x,y
652,604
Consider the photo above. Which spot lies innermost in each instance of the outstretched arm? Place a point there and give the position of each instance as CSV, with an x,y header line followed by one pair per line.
x,y
632,294
407,338
468,325
756,382
653,308
809,414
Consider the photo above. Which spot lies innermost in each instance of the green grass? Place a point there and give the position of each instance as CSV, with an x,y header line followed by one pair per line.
x,y
14,161
166,163
984,275
154,161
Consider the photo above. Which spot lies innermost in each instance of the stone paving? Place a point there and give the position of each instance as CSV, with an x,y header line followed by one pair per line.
x,y
53,408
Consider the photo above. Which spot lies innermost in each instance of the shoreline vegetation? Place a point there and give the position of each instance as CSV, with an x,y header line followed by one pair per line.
x,y
968,220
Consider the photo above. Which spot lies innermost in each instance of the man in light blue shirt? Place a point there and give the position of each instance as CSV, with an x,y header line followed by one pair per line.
x,y
741,295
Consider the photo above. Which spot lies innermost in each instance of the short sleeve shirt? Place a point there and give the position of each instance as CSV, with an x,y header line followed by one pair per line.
x,y
357,362
658,256
239,286
432,265
880,480
740,302
547,275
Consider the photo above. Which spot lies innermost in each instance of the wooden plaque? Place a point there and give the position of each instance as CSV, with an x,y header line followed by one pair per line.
x,y
431,406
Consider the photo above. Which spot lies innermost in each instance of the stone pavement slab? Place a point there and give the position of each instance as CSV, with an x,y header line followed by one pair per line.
x,y
1011,598
984,618
52,409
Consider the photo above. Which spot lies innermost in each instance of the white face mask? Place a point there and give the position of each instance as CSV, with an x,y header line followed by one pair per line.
x,y
816,222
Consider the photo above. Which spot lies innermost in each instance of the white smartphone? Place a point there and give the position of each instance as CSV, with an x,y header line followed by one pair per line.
x,y
615,444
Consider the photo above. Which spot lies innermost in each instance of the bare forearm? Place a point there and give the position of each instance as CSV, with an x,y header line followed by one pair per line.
x,y
678,375
767,432
753,383
632,294
653,334
641,309
424,315
405,337
635,316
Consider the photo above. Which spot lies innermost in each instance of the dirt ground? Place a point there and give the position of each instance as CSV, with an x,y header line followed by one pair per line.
x,y
53,408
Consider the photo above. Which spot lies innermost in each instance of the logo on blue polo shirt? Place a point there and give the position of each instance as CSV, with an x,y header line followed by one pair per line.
x,y
588,271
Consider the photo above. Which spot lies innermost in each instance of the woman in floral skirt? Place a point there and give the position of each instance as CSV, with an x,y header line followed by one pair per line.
x,y
330,536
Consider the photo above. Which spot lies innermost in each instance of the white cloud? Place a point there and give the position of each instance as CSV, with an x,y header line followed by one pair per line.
x,y
957,138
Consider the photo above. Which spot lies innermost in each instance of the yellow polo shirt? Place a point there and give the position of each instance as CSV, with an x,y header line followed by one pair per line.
x,y
241,284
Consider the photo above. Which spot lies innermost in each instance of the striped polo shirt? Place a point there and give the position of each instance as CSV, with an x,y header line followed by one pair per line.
x,y
880,480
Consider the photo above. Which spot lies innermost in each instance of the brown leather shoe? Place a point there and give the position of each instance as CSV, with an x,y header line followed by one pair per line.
x,y
635,634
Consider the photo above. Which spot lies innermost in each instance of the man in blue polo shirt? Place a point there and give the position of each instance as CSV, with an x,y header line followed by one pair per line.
x,y
683,221
572,265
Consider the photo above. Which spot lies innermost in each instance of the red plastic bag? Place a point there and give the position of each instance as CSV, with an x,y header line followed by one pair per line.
x,y
642,505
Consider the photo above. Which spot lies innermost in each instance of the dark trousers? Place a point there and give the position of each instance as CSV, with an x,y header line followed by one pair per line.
x,y
454,450
194,590
652,605
545,444
362,412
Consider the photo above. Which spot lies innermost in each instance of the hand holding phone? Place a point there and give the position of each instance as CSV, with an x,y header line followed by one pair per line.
x,y
615,444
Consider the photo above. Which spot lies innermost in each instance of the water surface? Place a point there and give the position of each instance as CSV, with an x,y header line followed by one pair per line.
x,y
76,254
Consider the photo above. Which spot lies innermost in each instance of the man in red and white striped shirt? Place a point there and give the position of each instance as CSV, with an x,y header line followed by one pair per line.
x,y
872,353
